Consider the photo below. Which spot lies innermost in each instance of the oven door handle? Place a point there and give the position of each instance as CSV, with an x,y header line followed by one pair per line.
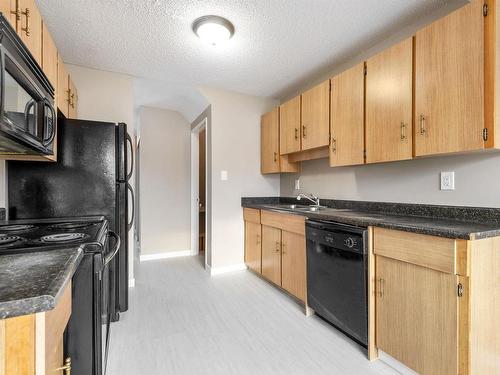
x,y
111,256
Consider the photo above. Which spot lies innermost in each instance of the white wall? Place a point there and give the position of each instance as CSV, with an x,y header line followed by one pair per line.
x,y
165,181
106,96
233,145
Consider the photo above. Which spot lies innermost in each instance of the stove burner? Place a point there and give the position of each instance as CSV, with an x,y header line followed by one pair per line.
x,y
16,228
7,240
63,237
71,225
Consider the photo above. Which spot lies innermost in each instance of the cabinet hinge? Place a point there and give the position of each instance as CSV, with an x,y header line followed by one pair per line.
x,y
485,9
460,290
485,134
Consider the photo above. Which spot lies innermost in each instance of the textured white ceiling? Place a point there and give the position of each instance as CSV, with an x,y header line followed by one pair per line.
x,y
277,45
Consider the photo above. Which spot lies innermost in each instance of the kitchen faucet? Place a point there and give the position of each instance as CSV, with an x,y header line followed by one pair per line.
x,y
310,197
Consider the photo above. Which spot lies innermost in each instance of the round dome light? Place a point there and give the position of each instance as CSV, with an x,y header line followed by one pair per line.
x,y
213,29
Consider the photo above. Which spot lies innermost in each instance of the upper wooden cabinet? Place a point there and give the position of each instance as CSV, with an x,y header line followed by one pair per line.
x,y
290,128
270,158
73,99
315,114
347,118
449,83
49,57
62,87
389,77
29,27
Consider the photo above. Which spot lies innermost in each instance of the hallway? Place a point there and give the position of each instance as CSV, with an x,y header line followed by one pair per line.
x,y
181,321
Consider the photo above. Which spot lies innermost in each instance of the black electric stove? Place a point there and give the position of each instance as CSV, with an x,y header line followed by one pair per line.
x,y
20,236
91,284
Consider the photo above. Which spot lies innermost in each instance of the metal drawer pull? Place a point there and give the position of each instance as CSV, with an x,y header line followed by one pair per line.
x,y
278,246
422,124
403,131
258,239
283,245
275,157
304,131
66,368
27,29
296,134
334,145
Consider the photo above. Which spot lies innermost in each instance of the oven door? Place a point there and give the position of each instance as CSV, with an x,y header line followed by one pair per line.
x,y
107,297
27,115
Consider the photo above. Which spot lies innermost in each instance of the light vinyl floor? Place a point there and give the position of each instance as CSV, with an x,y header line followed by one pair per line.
x,y
181,321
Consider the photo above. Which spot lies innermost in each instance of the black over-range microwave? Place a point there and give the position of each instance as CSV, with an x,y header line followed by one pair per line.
x,y
27,115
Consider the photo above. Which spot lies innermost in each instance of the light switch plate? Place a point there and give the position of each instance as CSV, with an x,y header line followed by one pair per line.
x,y
297,184
447,180
223,175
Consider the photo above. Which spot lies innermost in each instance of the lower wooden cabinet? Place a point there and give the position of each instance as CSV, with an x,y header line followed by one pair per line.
x,y
293,264
253,242
33,344
271,254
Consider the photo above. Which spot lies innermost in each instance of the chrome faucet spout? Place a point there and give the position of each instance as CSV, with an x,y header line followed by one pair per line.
x,y
310,197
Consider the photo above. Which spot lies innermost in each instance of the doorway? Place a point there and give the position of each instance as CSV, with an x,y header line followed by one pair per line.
x,y
198,190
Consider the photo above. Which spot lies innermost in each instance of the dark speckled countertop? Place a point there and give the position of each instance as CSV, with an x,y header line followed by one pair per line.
x,y
33,282
470,223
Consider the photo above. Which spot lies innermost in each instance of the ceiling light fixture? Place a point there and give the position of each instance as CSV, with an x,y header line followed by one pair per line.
x,y
213,29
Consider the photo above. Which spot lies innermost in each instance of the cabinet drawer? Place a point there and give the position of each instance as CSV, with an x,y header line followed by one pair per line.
x,y
427,251
290,223
252,215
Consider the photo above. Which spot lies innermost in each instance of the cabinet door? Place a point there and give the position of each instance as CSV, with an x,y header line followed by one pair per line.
x,y
269,141
8,8
389,104
316,117
73,99
290,133
253,242
29,28
293,277
49,56
449,83
347,118
416,320
62,87
271,254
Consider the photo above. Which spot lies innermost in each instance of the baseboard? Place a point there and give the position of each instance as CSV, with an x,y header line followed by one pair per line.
x,y
131,283
165,255
395,364
227,269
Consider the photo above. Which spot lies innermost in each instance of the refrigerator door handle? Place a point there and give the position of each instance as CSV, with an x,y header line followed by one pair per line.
x,y
129,225
129,140
111,256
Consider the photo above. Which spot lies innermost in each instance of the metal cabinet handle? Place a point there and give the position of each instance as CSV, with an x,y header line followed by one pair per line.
x,y
17,12
422,124
258,239
27,29
304,133
275,157
381,282
67,367
334,145
403,130
283,245
278,246
296,134
69,96
72,102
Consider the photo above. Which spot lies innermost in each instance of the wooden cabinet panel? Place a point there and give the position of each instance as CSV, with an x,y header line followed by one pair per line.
x,y
316,116
293,277
251,214
269,142
271,254
8,7
73,100
449,83
347,122
62,87
389,104
290,223
29,28
49,56
416,320
253,241
290,130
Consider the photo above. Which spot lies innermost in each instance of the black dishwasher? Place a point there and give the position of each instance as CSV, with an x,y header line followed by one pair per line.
x,y
337,266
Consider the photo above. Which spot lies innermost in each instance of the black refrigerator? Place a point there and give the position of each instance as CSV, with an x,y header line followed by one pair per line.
x,y
91,177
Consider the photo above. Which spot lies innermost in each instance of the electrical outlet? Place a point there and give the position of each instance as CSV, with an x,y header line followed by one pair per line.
x,y
297,184
447,180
